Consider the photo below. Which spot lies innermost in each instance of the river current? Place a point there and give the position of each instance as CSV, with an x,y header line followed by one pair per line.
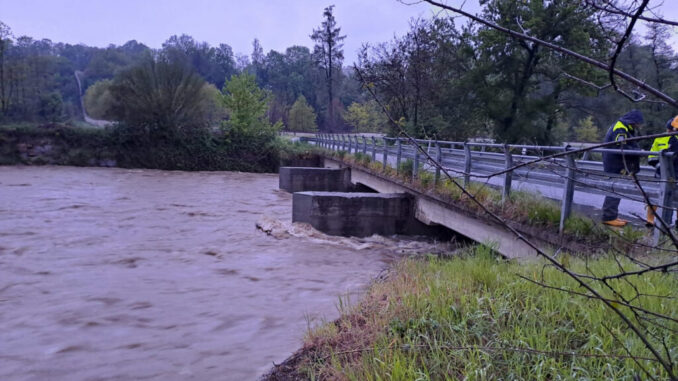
x,y
117,274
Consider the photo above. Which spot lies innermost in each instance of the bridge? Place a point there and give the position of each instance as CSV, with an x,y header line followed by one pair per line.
x,y
573,178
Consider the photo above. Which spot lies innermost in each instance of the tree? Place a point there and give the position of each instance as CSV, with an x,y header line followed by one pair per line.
x,y
51,105
5,34
328,54
98,100
586,131
161,97
247,105
302,116
258,65
519,70
366,117
248,133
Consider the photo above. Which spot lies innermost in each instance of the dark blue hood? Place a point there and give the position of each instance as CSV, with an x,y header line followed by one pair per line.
x,y
632,117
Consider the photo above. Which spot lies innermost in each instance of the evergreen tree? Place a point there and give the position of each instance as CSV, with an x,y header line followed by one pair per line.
x,y
329,54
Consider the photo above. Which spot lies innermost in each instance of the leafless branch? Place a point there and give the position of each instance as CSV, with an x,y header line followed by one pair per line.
x,y
610,8
631,79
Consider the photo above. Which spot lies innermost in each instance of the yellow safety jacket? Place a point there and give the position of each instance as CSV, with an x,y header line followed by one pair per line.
x,y
621,131
658,145
616,163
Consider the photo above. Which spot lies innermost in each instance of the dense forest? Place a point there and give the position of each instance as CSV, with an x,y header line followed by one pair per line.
x,y
440,80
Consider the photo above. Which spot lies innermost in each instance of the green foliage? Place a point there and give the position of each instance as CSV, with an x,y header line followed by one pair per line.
x,y
247,105
406,168
362,159
587,131
302,116
248,131
426,178
51,106
472,318
99,101
366,117
160,97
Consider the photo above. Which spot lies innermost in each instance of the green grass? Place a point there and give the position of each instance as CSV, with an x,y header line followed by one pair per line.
x,y
473,318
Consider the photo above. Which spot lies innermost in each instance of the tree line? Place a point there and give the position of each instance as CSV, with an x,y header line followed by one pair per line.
x,y
439,80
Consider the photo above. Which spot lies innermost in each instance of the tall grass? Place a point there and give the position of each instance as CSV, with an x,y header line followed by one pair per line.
x,y
473,318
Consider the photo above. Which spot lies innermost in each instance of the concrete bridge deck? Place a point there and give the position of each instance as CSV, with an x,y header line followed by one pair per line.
x,y
432,210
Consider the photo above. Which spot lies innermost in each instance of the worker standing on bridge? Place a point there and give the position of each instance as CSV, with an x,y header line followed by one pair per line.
x,y
626,127
664,143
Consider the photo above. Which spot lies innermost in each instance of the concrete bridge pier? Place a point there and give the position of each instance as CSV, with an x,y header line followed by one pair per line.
x,y
354,214
302,179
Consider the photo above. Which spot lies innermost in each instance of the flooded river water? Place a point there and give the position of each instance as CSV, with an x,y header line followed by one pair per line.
x,y
115,274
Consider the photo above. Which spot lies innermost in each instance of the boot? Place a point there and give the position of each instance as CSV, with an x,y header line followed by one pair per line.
x,y
617,223
651,209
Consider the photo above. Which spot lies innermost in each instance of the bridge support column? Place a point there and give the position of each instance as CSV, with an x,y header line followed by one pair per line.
x,y
354,214
300,179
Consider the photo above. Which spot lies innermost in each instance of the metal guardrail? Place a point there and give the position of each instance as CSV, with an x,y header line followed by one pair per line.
x,y
471,160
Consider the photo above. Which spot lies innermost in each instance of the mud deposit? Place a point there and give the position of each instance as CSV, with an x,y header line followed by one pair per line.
x,y
113,274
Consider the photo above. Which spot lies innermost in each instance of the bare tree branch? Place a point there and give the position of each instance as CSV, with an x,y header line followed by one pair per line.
x,y
614,10
571,53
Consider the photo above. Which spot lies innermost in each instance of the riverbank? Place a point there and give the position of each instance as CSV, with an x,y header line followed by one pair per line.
x,y
64,144
473,317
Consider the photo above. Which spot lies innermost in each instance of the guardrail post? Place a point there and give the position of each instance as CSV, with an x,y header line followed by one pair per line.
x,y
568,192
508,176
415,165
666,195
385,156
399,154
439,162
364,145
374,149
467,164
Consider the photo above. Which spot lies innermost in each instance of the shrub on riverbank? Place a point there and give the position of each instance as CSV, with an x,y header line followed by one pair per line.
x,y
126,147
472,317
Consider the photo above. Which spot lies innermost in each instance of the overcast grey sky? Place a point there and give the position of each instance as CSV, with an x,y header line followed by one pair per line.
x,y
278,24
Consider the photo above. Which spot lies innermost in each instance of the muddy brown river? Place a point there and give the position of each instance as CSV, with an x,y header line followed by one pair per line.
x,y
115,274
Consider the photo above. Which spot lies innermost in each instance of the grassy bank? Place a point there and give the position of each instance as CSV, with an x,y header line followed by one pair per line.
x,y
474,318
121,146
